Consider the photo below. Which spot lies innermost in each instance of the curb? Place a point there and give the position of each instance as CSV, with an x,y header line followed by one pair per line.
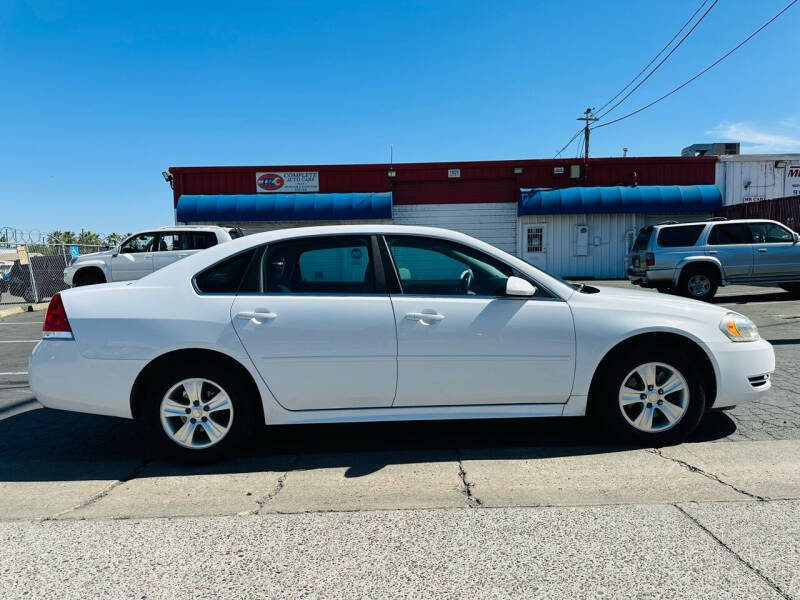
x,y
5,312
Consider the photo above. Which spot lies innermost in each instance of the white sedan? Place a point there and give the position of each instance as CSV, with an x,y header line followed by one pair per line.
x,y
383,322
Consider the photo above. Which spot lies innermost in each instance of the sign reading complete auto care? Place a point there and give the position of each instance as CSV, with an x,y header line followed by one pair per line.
x,y
792,180
287,181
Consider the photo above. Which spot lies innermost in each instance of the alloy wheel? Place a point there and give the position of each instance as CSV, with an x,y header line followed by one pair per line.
x,y
196,413
654,397
699,285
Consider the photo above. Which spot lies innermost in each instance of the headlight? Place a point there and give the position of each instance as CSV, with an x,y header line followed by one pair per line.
x,y
739,328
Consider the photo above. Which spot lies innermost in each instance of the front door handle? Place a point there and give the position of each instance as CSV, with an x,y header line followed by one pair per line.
x,y
712,251
426,318
762,249
258,315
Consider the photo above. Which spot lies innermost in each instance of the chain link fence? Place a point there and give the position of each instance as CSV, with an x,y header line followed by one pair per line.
x,y
34,272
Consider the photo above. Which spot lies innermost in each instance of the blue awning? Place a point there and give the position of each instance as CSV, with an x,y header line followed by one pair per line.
x,y
641,199
284,207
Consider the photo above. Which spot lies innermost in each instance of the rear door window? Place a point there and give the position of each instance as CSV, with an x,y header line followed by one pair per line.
x,y
200,240
225,277
730,233
319,265
675,237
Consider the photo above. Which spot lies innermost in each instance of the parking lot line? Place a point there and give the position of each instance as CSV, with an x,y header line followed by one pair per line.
x,y
19,341
15,373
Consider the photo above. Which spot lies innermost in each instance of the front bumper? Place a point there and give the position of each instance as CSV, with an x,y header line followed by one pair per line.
x,y
740,370
60,377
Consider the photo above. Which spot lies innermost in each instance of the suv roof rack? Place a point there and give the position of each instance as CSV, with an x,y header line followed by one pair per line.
x,y
667,223
716,219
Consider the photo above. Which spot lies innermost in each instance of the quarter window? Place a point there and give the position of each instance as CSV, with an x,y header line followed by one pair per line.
x,y
439,267
321,265
225,277
675,237
770,233
732,233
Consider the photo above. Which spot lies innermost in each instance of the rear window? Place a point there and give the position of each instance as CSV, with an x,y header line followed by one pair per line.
x,y
200,240
642,239
674,237
224,277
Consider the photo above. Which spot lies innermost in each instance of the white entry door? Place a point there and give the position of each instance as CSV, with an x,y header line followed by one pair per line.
x,y
534,244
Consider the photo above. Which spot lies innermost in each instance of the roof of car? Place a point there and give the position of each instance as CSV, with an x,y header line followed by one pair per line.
x,y
714,221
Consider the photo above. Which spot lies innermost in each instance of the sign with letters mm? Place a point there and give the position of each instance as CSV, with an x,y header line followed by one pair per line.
x,y
792,180
287,181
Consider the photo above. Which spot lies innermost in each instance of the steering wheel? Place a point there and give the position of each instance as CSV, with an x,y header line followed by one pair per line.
x,y
466,280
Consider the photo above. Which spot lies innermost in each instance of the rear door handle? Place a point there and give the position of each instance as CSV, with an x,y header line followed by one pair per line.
x,y
762,249
258,315
712,251
424,317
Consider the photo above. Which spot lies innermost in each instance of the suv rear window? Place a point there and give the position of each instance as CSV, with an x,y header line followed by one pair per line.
x,y
674,237
642,239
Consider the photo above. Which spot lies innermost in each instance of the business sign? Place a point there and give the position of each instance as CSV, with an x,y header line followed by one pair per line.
x,y
453,173
747,199
792,180
287,181
558,170
22,255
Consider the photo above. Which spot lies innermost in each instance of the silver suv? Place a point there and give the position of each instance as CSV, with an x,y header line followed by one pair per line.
x,y
694,259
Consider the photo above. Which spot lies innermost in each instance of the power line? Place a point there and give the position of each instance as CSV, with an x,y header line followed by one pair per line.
x,y
660,52
572,139
663,60
708,68
577,133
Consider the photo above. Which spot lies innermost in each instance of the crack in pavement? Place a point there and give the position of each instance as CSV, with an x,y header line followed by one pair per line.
x,y
104,492
693,469
278,487
733,553
472,501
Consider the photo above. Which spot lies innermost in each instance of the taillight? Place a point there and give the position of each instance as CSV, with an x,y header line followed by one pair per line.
x,y
650,259
56,324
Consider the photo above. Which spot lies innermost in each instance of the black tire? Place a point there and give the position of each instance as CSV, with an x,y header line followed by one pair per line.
x,y
607,408
243,417
88,277
792,288
663,289
699,283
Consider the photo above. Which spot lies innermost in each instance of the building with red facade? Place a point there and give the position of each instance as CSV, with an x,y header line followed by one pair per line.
x,y
567,217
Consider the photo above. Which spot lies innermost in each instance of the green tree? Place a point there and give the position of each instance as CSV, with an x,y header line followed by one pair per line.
x,y
112,239
89,238
61,237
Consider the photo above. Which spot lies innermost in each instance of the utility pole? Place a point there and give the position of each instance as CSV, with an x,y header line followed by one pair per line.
x,y
587,117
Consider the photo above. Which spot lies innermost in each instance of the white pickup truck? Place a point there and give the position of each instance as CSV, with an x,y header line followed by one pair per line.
x,y
145,252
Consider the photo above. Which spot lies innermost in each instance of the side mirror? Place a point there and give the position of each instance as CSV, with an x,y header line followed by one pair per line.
x,y
116,251
796,236
515,286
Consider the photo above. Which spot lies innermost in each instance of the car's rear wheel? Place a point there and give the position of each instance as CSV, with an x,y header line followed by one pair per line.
x,y
652,396
199,411
700,283
88,277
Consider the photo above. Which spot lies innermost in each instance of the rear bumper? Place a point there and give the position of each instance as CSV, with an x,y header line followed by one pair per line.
x,y
651,277
741,368
61,378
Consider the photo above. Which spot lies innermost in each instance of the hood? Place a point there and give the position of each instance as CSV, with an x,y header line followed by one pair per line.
x,y
91,255
651,302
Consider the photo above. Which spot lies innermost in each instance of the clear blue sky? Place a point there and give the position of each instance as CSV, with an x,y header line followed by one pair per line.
x,y
99,97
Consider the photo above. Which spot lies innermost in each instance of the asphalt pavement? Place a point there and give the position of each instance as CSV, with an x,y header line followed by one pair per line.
x,y
507,508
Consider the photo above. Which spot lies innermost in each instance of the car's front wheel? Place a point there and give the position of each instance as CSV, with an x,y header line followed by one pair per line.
x,y
652,396
199,411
